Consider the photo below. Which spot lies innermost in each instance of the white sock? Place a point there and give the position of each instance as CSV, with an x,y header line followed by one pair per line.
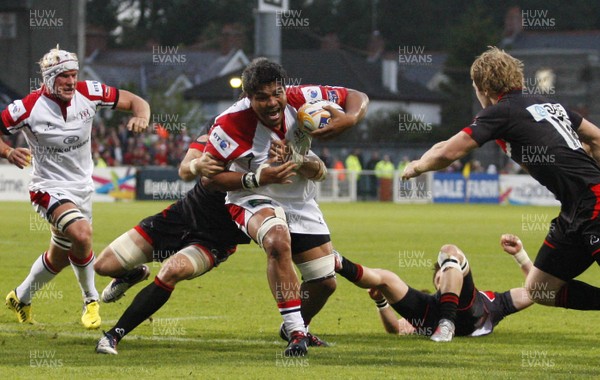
x,y
40,274
292,318
84,271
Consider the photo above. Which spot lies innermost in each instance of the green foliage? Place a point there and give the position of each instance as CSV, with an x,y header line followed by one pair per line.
x,y
469,38
185,22
225,323
175,114
102,13
399,127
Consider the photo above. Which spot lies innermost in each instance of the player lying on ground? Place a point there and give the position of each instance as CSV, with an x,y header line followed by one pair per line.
x,y
57,122
195,234
543,137
284,220
457,307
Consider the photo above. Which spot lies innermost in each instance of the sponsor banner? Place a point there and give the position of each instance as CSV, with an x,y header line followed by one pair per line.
x,y
518,189
110,184
114,183
14,183
160,183
455,188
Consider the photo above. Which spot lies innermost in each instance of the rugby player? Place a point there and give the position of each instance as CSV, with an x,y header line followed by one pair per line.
x,y
57,122
545,138
457,307
283,220
195,233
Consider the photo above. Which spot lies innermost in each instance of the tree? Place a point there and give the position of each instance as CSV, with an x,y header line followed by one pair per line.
x,y
469,38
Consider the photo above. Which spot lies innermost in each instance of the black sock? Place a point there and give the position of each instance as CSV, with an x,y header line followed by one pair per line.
x,y
579,296
448,306
145,303
350,271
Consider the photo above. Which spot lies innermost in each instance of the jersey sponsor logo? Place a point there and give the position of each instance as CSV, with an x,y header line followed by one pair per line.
x,y
333,96
16,109
71,139
538,112
258,202
94,88
222,142
311,93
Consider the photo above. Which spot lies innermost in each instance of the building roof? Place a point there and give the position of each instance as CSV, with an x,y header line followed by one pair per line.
x,y
330,67
156,67
583,39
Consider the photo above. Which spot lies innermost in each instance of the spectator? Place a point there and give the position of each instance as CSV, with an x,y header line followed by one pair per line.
x,y
354,165
384,171
372,179
402,164
339,166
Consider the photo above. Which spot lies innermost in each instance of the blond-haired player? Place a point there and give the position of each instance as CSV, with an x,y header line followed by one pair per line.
x,y
545,138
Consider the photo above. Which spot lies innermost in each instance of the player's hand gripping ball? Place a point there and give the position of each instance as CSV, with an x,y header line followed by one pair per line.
x,y
311,116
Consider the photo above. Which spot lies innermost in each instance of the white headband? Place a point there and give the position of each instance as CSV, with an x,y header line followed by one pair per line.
x,y
57,61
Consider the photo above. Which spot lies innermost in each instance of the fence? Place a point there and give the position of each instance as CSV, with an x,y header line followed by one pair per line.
x,y
346,186
161,183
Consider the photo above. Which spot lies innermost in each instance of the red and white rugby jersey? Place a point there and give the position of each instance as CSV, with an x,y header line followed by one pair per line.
x,y
238,138
59,133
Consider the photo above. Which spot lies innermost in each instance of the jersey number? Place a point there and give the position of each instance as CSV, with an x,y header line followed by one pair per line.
x,y
556,115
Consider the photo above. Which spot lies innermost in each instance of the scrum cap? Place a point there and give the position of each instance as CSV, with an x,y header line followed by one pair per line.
x,y
54,62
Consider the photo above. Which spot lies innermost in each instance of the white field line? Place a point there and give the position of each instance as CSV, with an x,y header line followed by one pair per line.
x,y
71,334
5,329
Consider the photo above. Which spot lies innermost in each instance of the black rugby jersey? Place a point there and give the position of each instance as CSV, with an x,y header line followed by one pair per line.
x,y
539,134
208,217
206,213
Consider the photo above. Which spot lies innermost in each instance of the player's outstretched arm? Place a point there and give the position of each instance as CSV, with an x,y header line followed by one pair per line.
x,y
512,245
441,155
388,317
354,111
138,106
197,163
188,170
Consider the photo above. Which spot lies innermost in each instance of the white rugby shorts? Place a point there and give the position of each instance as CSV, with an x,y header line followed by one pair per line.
x,y
302,217
47,199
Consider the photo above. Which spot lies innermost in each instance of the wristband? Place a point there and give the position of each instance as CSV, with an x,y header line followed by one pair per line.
x,y
249,181
382,304
193,168
7,152
521,257
321,174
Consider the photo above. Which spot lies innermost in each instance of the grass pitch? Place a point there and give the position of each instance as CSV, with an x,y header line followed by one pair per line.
x,y
224,324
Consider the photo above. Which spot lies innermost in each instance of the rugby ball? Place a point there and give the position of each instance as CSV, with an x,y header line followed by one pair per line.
x,y
311,116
